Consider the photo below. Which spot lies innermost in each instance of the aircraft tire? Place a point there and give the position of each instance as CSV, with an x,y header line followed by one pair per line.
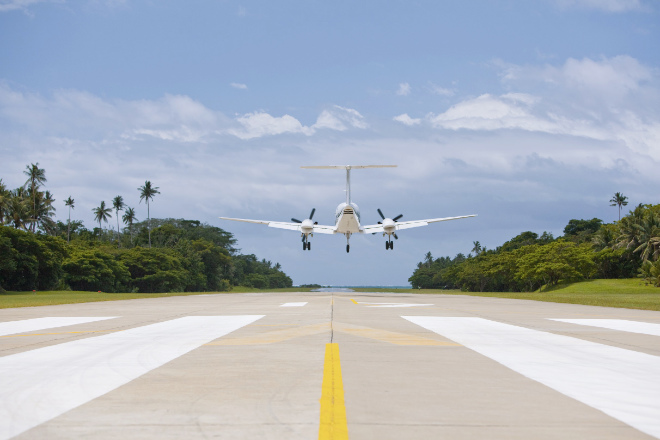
x,y
309,245
348,248
391,245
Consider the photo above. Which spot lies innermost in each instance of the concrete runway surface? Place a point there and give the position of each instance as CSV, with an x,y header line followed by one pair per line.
x,y
329,365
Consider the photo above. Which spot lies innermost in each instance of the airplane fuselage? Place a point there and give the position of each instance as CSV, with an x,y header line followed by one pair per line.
x,y
347,219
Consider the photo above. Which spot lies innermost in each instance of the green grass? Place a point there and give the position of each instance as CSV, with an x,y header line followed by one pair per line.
x,y
50,298
627,293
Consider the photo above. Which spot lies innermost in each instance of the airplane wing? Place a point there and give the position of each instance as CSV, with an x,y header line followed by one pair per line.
x,y
370,229
320,229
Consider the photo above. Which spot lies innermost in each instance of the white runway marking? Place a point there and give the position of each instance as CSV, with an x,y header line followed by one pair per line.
x,y
38,385
370,304
298,304
31,325
622,383
624,325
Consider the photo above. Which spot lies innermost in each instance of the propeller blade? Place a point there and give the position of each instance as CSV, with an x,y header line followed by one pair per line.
x,y
397,217
295,220
312,214
396,236
381,214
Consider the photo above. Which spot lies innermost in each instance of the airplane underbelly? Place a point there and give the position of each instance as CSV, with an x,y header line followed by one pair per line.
x,y
348,223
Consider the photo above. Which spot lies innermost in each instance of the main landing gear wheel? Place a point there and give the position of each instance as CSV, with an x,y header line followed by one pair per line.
x,y
309,245
387,245
348,248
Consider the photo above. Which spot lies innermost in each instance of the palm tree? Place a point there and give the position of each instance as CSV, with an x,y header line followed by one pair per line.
x,y
70,203
18,209
36,178
118,204
43,216
102,214
648,231
5,196
628,233
147,192
619,200
477,248
129,218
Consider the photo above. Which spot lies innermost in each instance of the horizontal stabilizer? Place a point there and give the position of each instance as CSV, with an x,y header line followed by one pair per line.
x,y
346,167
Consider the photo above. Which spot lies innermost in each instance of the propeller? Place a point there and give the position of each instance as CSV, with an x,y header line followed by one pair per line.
x,y
311,215
383,217
395,219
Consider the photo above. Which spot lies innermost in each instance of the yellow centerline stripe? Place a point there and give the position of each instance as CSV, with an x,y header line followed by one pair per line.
x,y
333,410
354,302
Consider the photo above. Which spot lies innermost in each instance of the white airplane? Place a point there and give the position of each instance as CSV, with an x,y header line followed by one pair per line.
x,y
347,217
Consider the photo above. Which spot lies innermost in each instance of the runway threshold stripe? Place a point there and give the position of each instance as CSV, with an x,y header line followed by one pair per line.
x,y
624,384
294,304
35,324
624,325
38,385
333,424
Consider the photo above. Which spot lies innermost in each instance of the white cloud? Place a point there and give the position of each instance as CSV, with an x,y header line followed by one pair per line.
x,y
24,5
172,118
239,86
13,5
340,118
602,5
611,99
609,78
260,124
437,90
407,120
488,112
404,89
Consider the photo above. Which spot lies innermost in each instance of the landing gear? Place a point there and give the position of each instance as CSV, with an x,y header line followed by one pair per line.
x,y
389,244
306,244
348,248
309,246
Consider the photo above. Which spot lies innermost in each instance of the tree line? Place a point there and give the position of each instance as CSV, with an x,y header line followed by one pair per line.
x,y
588,249
39,252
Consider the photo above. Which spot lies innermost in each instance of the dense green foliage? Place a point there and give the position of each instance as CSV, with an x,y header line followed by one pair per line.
x,y
180,262
588,249
158,255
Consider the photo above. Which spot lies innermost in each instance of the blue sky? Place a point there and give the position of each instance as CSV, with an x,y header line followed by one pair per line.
x,y
525,113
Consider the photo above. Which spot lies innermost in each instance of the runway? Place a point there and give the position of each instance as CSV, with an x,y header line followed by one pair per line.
x,y
329,365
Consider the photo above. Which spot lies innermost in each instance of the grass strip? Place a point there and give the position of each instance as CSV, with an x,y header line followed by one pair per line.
x,y
626,293
51,298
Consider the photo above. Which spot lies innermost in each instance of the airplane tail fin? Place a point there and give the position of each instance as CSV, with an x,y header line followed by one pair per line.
x,y
348,169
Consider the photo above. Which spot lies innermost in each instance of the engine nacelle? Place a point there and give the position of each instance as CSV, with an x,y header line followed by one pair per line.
x,y
389,226
307,226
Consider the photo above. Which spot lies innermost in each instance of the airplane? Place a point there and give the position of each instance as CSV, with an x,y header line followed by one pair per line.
x,y
347,217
